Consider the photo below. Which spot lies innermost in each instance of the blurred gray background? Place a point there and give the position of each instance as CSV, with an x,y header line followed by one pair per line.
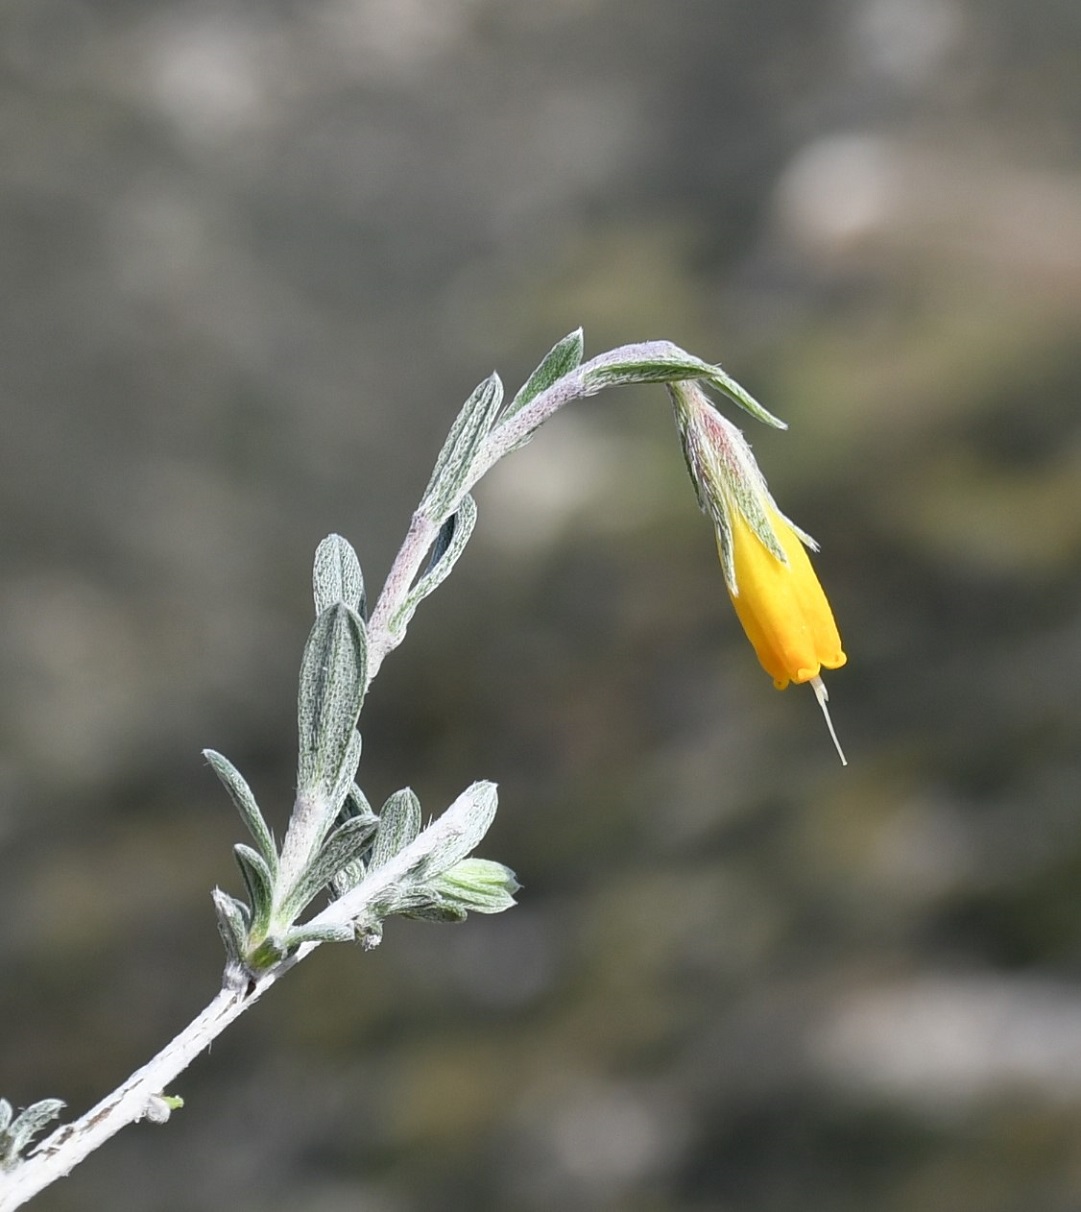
x,y
253,256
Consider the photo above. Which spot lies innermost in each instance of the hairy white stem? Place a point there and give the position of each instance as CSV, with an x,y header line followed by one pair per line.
x,y
403,572
59,1153
137,1098
504,438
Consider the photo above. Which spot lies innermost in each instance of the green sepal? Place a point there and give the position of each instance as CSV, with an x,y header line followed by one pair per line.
x,y
336,576
724,382
333,679
453,468
560,360
240,793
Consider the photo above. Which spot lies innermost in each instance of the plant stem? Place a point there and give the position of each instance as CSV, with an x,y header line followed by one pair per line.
x,y
59,1153
501,441
403,572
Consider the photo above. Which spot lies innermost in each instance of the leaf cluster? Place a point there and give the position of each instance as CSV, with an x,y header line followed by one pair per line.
x,y
335,841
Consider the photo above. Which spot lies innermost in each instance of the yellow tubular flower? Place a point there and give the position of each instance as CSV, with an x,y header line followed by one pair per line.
x,y
783,608
766,568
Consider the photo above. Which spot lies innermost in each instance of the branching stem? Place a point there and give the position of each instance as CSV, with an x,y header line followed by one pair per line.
x,y
434,851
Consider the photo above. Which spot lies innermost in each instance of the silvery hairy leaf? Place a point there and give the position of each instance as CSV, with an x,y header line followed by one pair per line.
x,y
663,362
400,884
479,885
332,684
356,804
446,551
260,885
336,576
435,911
296,936
457,832
399,824
340,794
350,874
560,360
241,795
233,922
344,845
18,1132
453,468
474,885
356,807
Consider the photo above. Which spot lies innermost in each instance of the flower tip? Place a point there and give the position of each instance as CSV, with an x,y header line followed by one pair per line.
x,y
822,694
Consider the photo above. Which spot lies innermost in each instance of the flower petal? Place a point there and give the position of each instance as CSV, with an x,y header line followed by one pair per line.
x,y
782,607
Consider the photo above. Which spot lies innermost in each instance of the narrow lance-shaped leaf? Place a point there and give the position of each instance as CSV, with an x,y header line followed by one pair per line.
x,y
458,831
560,360
356,807
335,932
453,535
400,883
346,842
349,875
663,362
445,842
19,1132
346,775
451,474
340,849
332,684
356,804
260,886
399,824
240,793
443,912
336,576
233,920
450,837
